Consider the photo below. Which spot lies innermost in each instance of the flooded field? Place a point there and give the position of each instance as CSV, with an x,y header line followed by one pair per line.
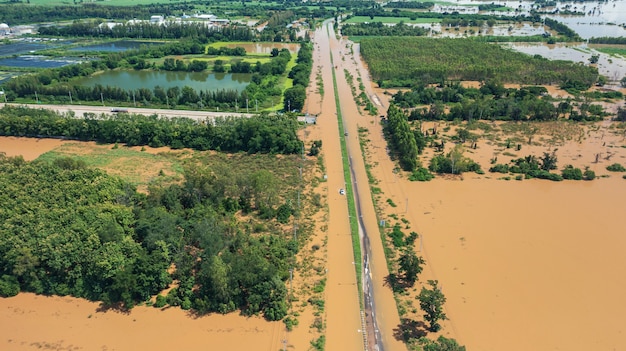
x,y
32,322
117,46
20,48
167,79
37,61
261,48
538,264
614,68
28,148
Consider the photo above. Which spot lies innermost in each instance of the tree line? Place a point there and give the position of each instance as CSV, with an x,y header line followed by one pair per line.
x,y
258,134
425,61
608,40
147,30
379,29
26,14
295,96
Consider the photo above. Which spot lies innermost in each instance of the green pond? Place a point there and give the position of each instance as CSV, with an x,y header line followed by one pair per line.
x,y
132,80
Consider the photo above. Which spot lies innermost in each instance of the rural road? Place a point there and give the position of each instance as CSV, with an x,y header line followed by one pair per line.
x,y
80,110
380,319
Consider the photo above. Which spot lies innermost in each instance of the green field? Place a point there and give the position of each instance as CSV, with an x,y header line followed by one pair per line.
x,y
364,19
613,51
136,167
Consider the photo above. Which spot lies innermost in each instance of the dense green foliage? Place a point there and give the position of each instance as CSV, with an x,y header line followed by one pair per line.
x,y
26,14
401,139
410,266
258,134
66,229
453,163
402,61
533,167
148,30
295,96
379,29
491,101
421,174
608,40
572,173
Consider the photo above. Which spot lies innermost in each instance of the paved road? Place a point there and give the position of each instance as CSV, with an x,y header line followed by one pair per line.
x,y
80,110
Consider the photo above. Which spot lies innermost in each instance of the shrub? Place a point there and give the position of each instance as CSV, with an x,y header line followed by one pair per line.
x,y
421,175
397,236
570,172
616,167
160,302
290,323
589,174
499,168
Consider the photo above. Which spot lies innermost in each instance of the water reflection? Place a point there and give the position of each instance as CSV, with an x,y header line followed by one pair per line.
x,y
165,79
613,67
117,46
33,61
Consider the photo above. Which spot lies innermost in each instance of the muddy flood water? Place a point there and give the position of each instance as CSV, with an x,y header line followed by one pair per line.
x,y
530,265
31,322
28,148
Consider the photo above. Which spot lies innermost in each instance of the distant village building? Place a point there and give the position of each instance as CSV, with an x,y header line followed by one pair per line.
x,y
157,19
4,29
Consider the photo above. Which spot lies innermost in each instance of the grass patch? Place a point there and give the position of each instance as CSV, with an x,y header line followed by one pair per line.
x,y
136,167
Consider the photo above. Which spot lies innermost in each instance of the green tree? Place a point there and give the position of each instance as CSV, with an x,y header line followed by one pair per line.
x,y
431,302
410,266
294,98
548,161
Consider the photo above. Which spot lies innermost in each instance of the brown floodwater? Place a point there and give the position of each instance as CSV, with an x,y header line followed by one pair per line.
x,y
32,322
29,148
527,265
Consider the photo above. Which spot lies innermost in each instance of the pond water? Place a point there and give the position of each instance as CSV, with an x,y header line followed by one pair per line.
x,y
517,29
600,19
34,61
150,79
20,48
116,46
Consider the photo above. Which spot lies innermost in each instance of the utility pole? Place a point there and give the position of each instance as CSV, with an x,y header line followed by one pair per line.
x,y
247,110
102,98
256,104
36,97
134,102
70,97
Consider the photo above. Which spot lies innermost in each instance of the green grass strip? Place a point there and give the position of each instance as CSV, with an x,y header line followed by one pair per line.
x,y
354,225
